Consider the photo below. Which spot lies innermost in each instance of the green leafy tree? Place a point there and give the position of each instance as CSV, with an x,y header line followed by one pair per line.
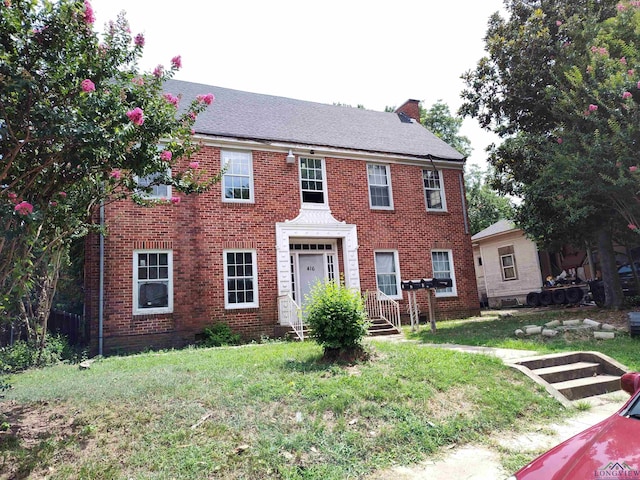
x,y
485,206
439,121
78,124
553,87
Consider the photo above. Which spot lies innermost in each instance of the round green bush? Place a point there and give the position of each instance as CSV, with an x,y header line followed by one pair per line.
x,y
336,316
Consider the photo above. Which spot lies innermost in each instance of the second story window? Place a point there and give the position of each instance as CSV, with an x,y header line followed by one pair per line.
x,y
237,180
379,186
151,186
312,181
434,190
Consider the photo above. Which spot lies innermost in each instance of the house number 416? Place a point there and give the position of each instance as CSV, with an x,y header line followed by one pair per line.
x,y
312,269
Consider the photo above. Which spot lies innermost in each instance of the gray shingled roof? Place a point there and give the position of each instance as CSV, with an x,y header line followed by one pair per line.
x,y
253,116
501,226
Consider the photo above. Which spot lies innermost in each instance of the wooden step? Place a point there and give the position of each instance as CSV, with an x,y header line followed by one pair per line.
x,y
569,371
588,386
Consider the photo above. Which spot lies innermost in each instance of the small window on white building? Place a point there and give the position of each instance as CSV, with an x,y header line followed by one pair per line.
x,y
240,279
508,263
237,179
434,190
379,177
442,262
152,282
388,273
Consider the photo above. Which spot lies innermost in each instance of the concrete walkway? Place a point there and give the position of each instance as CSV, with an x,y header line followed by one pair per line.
x,y
483,462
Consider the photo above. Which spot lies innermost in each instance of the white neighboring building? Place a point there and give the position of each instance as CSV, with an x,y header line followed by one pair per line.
x,y
507,265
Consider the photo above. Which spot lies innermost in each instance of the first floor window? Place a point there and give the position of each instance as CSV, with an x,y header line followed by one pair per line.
x,y
240,279
442,262
387,273
152,282
508,263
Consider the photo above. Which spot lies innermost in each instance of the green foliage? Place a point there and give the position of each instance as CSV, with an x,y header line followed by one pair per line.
x,y
336,316
219,334
79,123
24,354
485,206
439,121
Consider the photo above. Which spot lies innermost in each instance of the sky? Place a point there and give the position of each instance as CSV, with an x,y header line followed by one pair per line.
x,y
353,52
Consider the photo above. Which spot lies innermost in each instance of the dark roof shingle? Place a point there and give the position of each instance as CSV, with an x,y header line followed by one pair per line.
x,y
245,115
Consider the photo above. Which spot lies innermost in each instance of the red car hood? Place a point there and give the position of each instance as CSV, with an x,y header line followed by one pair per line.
x,y
608,450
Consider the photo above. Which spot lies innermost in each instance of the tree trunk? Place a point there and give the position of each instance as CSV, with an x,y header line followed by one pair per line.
x,y
614,298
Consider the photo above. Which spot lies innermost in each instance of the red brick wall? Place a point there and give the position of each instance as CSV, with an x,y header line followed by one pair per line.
x,y
200,227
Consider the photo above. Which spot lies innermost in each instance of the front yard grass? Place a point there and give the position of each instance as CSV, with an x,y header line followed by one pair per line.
x,y
496,329
259,411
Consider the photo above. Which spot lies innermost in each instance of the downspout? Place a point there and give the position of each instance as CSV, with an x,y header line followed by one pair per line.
x,y
101,287
464,206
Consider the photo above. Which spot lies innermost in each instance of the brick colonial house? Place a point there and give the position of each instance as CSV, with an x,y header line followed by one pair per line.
x,y
310,192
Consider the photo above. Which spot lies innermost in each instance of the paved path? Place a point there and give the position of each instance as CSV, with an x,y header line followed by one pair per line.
x,y
482,462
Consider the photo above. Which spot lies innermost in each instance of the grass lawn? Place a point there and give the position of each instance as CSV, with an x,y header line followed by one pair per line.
x,y
496,330
276,411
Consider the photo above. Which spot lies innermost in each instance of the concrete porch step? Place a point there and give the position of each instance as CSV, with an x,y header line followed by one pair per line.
x,y
569,371
588,386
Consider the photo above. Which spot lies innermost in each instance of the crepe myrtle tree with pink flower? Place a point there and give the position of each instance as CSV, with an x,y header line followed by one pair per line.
x,y
560,86
76,117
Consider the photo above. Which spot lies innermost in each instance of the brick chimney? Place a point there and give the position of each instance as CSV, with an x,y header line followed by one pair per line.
x,y
410,108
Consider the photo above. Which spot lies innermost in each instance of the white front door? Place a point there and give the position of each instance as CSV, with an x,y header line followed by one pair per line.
x,y
311,268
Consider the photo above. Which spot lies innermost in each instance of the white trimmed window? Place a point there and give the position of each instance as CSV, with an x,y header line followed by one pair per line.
x,y
388,273
434,190
152,282
313,186
237,180
508,263
442,261
379,177
240,279
151,186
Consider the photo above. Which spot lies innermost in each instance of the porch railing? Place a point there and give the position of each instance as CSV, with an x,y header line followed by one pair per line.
x,y
290,313
380,305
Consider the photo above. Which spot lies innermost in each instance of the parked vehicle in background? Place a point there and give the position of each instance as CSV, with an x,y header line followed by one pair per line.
x,y
609,449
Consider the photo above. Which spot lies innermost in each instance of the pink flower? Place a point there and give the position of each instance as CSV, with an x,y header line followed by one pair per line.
x,y
558,23
166,155
621,7
88,86
638,85
24,208
12,196
192,115
208,98
53,203
115,174
139,40
172,99
63,194
194,165
633,168
630,72
136,116
89,18
175,200
559,140
137,81
632,226
158,71
623,61
626,95
592,107
176,62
